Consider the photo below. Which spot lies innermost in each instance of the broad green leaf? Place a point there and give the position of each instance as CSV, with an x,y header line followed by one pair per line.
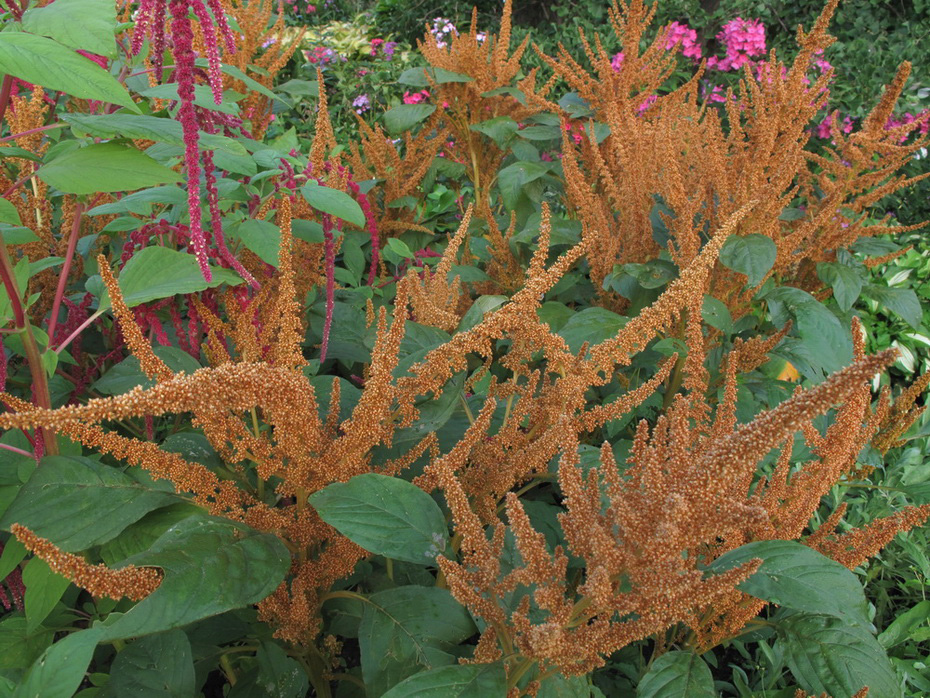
x,y
481,307
826,655
153,128
275,676
798,577
253,85
416,77
407,629
677,674
902,301
334,202
500,129
19,648
203,97
561,686
9,214
262,237
844,280
210,566
825,341
127,374
512,179
716,314
159,665
752,255
456,681
140,203
60,670
593,325
386,516
76,502
160,272
44,589
350,340
104,167
139,536
405,116
17,235
400,248
79,24
44,62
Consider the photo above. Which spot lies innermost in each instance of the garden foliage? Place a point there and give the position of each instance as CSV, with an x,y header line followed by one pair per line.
x,y
549,382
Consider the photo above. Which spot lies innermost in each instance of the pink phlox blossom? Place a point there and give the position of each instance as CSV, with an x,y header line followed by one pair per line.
x,y
650,100
685,38
617,61
415,97
743,40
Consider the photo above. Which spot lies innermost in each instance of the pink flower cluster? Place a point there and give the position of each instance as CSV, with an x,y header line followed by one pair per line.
x,y
684,36
386,48
321,55
743,39
923,118
617,61
416,97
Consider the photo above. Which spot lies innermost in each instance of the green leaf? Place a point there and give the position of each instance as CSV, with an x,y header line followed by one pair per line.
x,y
825,341
44,589
826,655
253,85
902,301
716,314
400,248
903,626
160,272
159,665
76,502
79,24
203,97
104,167
405,116
60,670
211,566
278,676
128,374
481,307
752,255
153,128
407,629
416,77
262,237
9,214
19,648
844,280
334,202
500,129
386,516
592,325
512,179
677,674
456,681
798,577
47,63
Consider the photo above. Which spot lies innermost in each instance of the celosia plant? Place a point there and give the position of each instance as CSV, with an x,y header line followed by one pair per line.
x,y
421,460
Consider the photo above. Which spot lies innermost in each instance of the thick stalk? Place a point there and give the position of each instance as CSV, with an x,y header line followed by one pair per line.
x,y
65,271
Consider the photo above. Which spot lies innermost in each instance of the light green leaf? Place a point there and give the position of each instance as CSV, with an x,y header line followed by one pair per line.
x,y
902,301
153,128
47,63
844,280
262,237
404,117
416,77
512,179
160,666
44,589
76,502
9,214
334,202
203,97
677,674
59,671
400,248
80,24
455,681
128,374
386,516
104,167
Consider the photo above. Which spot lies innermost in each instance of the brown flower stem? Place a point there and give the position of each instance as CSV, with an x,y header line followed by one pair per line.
x,y
33,357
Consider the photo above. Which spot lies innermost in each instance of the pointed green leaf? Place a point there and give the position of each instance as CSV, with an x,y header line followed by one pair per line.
x,y
59,671
104,167
154,128
826,655
47,63
416,77
79,24
677,674
76,502
902,301
798,577
386,516
844,280
404,117
210,566
44,589
456,681
9,214
334,202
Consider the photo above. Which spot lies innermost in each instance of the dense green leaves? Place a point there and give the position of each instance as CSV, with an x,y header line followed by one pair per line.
x,y
407,629
104,167
77,502
417,77
386,516
677,674
42,61
44,589
796,576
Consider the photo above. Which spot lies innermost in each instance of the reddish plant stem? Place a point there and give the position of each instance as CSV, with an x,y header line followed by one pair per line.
x,y
6,89
65,270
33,130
